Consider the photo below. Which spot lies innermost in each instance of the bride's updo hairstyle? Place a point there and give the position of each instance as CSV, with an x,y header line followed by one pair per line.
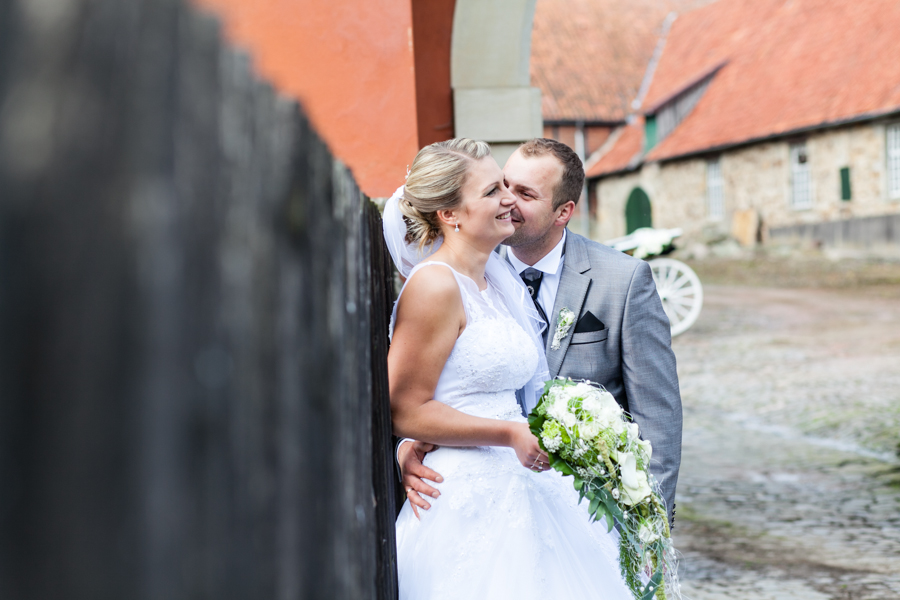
x,y
435,183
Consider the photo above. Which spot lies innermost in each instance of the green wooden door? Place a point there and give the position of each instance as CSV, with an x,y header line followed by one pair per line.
x,y
637,211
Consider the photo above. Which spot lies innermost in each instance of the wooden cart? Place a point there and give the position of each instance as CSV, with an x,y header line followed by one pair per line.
x,y
678,286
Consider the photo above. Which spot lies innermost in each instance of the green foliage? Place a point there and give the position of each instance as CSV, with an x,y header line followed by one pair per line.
x,y
536,424
655,587
629,567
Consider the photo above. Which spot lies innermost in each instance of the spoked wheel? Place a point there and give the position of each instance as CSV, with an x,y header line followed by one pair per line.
x,y
680,291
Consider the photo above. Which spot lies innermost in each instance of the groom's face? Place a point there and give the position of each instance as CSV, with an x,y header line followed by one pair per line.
x,y
532,180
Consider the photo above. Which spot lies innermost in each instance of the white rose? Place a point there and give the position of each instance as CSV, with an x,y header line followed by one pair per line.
x,y
609,403
604,400
633,431
609,400
590,431
610,413
569,420
647,535
634,483
558,409
582,390
591,406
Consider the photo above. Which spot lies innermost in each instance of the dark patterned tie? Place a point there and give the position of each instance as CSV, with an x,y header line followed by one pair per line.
x,y
532,278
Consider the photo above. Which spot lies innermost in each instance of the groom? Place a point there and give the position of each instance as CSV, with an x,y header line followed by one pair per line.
x,y
621,336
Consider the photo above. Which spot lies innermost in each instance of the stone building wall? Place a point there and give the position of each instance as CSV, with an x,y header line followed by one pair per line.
x,y
611,196
861,148
757,185
681,196
677,197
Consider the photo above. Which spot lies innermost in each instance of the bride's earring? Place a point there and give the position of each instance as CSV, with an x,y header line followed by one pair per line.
x,y
457,226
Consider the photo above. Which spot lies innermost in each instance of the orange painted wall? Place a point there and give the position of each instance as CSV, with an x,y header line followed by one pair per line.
x,y
350,63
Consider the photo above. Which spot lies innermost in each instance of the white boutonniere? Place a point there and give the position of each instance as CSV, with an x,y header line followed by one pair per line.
x,y
564,322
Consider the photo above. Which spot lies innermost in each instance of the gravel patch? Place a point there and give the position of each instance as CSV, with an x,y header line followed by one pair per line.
x,y
790,485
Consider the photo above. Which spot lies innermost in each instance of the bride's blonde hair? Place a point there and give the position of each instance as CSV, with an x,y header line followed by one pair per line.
x,y
435,183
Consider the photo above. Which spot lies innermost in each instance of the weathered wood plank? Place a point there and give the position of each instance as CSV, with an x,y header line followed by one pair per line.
x,y
193,301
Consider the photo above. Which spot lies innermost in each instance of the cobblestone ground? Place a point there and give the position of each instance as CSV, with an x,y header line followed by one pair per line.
x,y
790,486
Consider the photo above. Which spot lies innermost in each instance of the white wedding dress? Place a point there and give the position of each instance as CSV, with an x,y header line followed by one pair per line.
x,y
498,529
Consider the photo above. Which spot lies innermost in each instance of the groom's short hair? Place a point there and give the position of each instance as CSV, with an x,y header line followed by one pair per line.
x,y
572,181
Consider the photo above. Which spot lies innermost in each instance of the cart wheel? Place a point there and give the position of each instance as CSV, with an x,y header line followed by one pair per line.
x,y
680,291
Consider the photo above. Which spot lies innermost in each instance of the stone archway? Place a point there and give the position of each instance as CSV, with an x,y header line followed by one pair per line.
x,y
638,211
489,72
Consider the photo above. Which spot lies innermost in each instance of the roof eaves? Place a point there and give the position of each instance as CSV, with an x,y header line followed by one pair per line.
x,y
862,118
704,75
585,122
604,148
636,162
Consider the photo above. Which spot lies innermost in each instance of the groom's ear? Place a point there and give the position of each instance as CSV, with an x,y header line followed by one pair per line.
x,y
564,213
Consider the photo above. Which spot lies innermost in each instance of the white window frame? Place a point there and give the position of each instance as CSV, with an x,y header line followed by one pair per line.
x,y
801,178
715,190
892,153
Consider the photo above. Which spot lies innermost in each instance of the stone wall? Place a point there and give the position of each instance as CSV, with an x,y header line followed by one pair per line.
x,y
879,233
861,148
677,197
611,196
757,180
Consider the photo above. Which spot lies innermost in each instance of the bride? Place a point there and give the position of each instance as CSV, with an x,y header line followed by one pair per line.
x,y
466,336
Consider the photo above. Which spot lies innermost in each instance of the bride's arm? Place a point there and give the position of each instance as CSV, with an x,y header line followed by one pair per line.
x,y
430,316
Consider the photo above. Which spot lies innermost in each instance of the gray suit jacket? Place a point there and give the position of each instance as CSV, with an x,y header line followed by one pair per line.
x,y
632,356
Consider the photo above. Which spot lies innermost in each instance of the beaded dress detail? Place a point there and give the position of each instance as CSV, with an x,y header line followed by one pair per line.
x,y
499,530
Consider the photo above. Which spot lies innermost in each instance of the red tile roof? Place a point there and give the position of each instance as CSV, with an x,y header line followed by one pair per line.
x,y
624,153
790,65
589,56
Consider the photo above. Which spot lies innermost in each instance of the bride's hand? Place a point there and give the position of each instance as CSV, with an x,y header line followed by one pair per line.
x,y
527,448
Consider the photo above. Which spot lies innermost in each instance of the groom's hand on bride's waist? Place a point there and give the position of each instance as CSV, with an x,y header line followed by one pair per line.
x,y
413,474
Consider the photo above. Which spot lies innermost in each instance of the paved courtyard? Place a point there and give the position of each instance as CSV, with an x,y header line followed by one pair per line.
x,y
790,483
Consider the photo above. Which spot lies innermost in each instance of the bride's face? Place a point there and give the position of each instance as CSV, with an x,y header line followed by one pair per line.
x,y
486,203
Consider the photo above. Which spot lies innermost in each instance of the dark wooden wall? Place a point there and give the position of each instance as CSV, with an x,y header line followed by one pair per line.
x,y
193,304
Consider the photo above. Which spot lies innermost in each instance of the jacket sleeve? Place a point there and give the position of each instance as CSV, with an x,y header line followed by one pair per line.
x,y
650,379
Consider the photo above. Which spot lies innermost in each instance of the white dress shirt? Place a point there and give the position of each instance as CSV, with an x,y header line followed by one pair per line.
x,y
551,266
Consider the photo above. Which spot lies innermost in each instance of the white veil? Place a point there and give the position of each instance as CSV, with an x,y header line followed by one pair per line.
x,y
499,274
406,256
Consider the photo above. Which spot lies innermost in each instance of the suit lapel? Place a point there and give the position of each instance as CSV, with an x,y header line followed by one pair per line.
x,y
573,289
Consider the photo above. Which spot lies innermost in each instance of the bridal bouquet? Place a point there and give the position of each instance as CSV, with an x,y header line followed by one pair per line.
x,y
587,435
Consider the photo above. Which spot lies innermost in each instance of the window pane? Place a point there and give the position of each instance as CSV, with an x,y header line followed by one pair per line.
x,y
649,132
801,196
714,194
893,160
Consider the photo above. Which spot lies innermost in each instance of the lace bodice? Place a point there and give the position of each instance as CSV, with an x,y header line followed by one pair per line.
x,y
492,357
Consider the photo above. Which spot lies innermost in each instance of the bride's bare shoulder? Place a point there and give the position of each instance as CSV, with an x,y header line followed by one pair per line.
x,y
431,299
431,290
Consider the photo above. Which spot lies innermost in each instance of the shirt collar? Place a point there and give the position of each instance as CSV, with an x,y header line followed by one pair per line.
x,y
549,264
